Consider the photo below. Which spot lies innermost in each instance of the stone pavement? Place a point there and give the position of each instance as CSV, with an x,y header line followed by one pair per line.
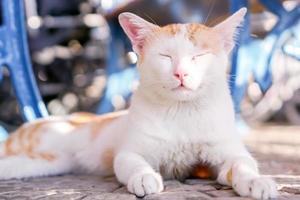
x,y
276,148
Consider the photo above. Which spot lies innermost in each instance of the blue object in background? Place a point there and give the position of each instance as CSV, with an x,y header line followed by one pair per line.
x,y
15,56
3,134
119,77
255,56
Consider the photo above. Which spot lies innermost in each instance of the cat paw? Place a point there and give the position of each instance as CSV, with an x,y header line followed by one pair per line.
x,y
142,184
258,188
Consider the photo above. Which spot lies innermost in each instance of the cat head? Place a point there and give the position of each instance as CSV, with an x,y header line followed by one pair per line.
x,y
180,61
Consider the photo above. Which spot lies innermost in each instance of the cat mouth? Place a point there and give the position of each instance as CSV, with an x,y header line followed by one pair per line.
x,y
181,87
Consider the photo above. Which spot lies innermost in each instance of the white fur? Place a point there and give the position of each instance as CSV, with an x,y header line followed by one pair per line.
x,y
166,132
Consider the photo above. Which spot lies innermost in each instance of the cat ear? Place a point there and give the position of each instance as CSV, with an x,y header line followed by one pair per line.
x,y
228,29
136,29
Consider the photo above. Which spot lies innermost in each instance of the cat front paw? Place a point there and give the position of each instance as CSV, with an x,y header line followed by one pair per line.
x,y
142,184
258,188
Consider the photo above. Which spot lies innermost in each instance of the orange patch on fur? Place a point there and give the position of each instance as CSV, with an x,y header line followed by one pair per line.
x,y
81,118
46,156
20,135
229,176
193,30
8,147
204,37
202,171
200,35
17,136
172,29
33,139
107,157
100,121
98,125
25,139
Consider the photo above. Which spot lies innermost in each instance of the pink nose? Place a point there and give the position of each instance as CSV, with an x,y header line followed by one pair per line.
x,y
180,75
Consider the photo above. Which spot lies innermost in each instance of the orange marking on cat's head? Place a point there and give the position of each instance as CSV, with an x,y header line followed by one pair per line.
x,y
199,35
204,37
171,29
193,30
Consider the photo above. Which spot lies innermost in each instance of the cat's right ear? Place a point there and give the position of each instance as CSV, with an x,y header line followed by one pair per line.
x,y
136,29
229,28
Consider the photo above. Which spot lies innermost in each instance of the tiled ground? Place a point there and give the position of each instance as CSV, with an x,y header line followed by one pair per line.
x,y
276,148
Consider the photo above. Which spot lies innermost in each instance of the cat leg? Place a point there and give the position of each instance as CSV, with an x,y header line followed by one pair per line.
x,y
133,170
21,166
242,174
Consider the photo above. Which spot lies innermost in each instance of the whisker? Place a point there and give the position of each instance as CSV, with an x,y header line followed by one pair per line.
x,y
151,19
215,21
212,6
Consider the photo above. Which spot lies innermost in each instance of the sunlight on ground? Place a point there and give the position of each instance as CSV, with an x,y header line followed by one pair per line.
x,y
283,141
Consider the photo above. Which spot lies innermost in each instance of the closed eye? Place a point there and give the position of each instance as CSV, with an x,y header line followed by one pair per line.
x,y
199,55
165,55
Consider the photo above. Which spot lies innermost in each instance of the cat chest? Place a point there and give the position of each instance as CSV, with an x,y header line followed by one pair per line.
x,y
179,161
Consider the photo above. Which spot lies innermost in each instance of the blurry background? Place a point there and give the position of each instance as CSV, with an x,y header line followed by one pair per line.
x,y
83,62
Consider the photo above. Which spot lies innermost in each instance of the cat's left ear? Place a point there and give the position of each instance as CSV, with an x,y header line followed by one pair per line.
x,y
228,29
136,28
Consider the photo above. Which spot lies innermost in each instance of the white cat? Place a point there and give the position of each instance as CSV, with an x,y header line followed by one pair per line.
x,y
180,116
